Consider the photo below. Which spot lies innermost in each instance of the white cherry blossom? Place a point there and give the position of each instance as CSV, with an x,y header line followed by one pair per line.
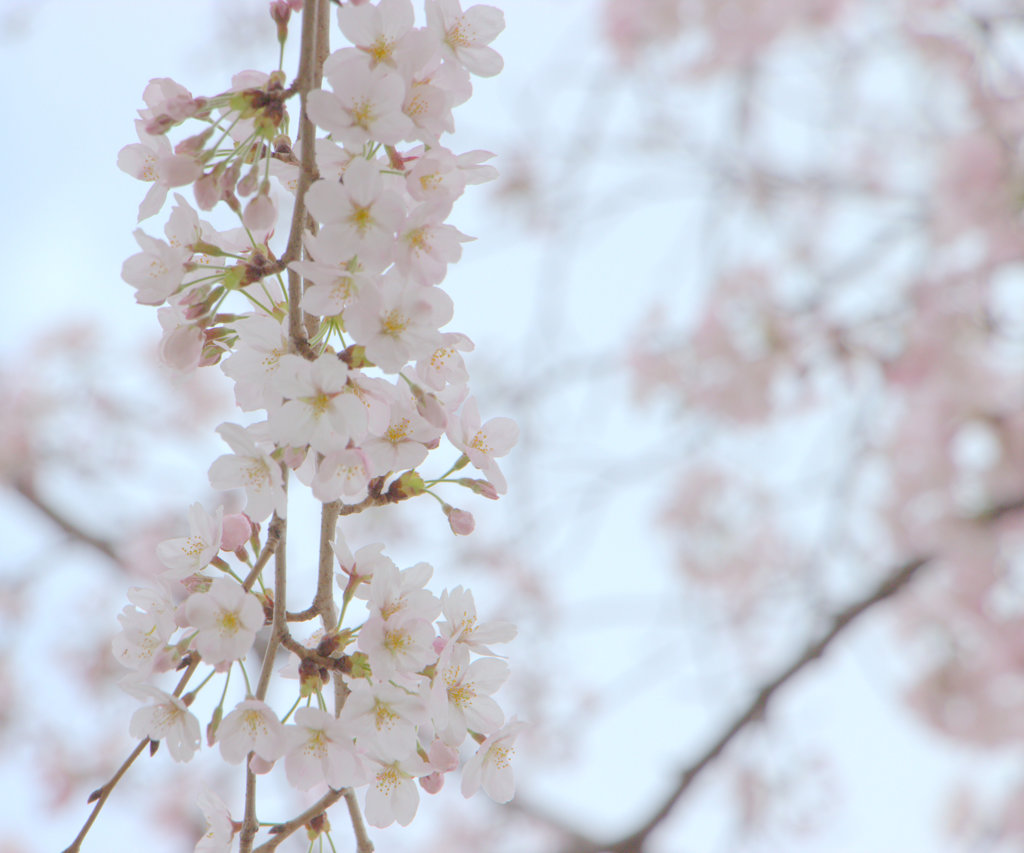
x,y
251,727
393,795
320,750
482,443
165,719
252,469
490,767
465,35
187,555
227,617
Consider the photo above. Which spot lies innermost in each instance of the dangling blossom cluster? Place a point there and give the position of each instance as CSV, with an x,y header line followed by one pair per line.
x,y
335,346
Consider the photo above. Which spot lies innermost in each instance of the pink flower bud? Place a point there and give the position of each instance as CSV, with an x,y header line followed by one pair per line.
x,y
194,144
235,532
259,766
432,783
461,522
294,457
280,11
248,184
207,192
196,583
180,348
159,124
442,756
481,487
260,213
430,408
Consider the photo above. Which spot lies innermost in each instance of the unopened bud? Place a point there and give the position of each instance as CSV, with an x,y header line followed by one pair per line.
x,y
480,487
260,213
432,783
235,532
248,184
460,521
294,456
197,583
194,144
280,11
206,191
211,728
259,766
429,407
408,485
160,124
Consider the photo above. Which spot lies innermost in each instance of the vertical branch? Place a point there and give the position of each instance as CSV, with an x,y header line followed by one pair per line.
x,y
323,603
279,626
309,74
323,49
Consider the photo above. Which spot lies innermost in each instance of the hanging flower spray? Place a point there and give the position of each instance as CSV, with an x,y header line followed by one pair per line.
x,y
332,336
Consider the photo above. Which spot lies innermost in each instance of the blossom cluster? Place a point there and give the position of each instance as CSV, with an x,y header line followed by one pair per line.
x,y
335,347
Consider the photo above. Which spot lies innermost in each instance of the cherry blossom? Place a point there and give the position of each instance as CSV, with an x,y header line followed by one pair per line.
x,y
377,30
465,35
227,617
483,442
468,687
165,719
317,412
392,795
305,334
146,628
320,750
253,469
220,828
157,271
151,159
399,321
186,555
385,715
251,727
490,767
343,474
365,104
360,214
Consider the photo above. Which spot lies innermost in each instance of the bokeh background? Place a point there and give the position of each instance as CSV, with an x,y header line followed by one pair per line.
x,y
751,284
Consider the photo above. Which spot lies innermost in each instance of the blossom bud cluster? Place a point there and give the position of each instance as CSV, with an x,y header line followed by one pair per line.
x,y
351,384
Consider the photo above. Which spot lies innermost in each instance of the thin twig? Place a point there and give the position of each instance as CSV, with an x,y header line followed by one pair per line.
x,y
100,795
755,709
279,627
274,534
75,532
279,832
893,583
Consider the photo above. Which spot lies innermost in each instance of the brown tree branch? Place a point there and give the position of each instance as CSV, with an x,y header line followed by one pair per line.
x,y
100,795
754,710
309,74
73,531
